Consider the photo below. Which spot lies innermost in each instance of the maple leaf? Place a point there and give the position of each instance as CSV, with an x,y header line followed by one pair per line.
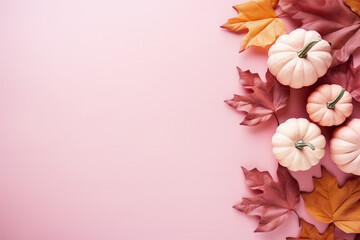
x,y
274,3
276,200
260,19
330,204
354,5
309,231
335,22
346,76
263,100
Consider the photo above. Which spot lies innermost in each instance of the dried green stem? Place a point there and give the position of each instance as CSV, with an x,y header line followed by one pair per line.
x,y
331,104
301,144
302,53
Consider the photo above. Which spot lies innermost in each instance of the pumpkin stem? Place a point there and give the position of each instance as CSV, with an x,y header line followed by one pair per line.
x,y
331,104
301,144
302,53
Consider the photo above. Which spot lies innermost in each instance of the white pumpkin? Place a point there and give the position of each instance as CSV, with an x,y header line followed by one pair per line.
x,y
345,146
329,105
298,59
298,144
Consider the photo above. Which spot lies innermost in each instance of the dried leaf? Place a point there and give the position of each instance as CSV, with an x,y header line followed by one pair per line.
x,y
346,76
260,19
309,231
264,98
354,4
330,204
274,3
275,201
332,19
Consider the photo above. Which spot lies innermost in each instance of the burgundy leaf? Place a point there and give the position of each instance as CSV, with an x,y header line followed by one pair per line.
x,y
346,76
274,201
263,99
332,19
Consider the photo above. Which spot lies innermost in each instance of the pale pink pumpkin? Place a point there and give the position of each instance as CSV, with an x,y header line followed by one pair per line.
x,y
329,105
298,59
345,147
298,144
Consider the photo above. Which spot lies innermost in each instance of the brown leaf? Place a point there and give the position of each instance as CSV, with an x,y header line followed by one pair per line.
x,y
354,5
346,76
263,99
330,204
274,200
309,231
261,21
335,22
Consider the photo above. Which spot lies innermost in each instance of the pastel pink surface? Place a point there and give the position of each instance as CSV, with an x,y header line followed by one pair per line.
x,y
113,124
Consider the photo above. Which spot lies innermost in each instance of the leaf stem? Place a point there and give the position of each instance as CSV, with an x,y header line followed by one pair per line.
x,y
277,120
331,104
297,216
301,144
302,53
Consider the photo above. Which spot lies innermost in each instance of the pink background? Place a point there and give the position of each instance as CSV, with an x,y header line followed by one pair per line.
x,y
113,124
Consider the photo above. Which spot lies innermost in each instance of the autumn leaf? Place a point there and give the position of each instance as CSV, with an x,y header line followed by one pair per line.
x,y
309,231
335,22
330,204
260,19
274,3
354,5
274,201
346,76
263,99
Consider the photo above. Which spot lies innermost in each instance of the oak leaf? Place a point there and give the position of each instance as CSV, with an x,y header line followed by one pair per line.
x,y
274,201
263,99
309,231
346,76
354,5
332,19
330,204
260,19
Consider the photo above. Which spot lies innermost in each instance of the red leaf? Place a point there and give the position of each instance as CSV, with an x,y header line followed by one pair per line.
x,y
346,76
263,99
275,201
332,19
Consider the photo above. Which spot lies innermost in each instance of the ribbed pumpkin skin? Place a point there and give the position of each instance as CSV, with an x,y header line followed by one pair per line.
x,y
318,111
290,132
296,72
345,147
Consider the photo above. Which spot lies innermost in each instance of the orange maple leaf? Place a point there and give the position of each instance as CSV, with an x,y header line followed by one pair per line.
x,y
309,231
330,204
260,19
354,5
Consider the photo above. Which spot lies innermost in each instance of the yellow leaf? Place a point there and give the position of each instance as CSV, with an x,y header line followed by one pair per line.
x,y
260,19
354,4
309,231
328,203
